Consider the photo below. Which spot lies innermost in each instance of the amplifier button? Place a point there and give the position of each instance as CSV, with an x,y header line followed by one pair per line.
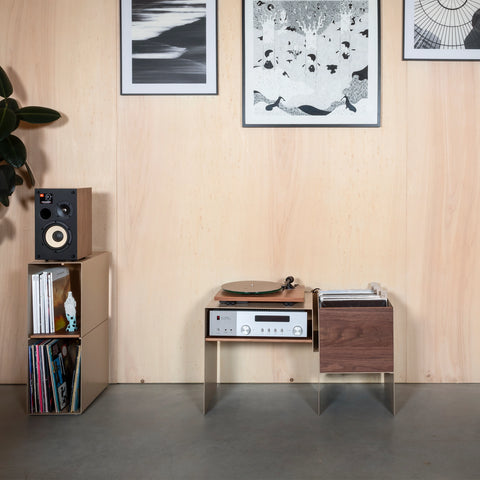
x,y
297,330
245,330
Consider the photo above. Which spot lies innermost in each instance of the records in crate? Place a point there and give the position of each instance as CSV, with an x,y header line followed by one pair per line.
x,y
54,376
50,289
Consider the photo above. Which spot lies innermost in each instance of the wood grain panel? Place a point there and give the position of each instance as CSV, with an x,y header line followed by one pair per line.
x,y
212,203
356,339
443,239
187,199
60,55
16,223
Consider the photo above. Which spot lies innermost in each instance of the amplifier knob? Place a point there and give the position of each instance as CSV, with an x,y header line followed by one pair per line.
x,y
245,330
297,330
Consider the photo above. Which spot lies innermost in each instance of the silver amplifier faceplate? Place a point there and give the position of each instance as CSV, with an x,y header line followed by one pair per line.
x,y
257,323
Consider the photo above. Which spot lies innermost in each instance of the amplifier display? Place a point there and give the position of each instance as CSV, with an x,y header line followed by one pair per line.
x,y
257,323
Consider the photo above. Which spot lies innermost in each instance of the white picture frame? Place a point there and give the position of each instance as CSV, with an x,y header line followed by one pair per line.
x,y
435,30
311,63
167,51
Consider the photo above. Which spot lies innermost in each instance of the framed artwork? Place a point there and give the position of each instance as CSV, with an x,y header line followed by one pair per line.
x,y
168,47
441,29
313,63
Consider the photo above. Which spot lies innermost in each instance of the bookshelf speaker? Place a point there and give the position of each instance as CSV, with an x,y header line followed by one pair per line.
x,y
63,223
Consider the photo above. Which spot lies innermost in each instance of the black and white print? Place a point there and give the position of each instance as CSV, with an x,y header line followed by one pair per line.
x,y
442,29
169,47
311,63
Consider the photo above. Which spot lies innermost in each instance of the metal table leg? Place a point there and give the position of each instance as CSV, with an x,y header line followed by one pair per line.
x,y
210,376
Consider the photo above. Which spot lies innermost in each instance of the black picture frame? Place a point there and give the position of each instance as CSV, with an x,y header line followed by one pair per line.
x,y
435,30
168,51
311,63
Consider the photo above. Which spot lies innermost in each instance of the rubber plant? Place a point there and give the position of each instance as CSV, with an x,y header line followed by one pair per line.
x,y
13,154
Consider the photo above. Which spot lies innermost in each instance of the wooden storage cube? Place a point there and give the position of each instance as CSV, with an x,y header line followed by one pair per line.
x,y
356,339
94,372
74,283
94,287
89,280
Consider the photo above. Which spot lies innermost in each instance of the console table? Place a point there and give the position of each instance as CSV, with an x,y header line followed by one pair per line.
x,y
350,340
212,343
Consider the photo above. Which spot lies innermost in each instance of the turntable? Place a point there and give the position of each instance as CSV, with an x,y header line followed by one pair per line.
x,y
261,291
259,309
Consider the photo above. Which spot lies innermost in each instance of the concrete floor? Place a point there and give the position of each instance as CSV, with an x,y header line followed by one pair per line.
x,y
262,432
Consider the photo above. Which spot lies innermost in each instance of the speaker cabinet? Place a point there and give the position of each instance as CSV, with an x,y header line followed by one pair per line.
x,y
63,223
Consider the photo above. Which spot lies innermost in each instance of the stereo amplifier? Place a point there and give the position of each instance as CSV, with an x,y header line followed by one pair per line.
x,y
257,323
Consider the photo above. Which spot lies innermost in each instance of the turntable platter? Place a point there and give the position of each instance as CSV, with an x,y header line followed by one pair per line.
x,y
252,287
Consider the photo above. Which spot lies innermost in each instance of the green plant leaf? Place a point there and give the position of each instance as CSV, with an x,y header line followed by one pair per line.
x,y
7,181
4,199
37,114
11,103
13,151
8,122
6,88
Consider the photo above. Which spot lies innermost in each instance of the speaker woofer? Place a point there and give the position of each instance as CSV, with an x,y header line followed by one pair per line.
x,y
57,236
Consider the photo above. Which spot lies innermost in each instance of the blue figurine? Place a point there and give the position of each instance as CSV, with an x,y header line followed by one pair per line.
x,y
70,311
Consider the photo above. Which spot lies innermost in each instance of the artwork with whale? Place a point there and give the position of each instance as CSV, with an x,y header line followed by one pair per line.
x,y
311,63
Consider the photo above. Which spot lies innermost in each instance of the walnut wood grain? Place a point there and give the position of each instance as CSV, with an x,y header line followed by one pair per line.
x,y
356,339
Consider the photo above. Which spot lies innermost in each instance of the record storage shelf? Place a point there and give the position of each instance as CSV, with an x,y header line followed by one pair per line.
x,y
90,286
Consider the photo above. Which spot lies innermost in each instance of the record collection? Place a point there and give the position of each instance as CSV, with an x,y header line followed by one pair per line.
x,y
54,375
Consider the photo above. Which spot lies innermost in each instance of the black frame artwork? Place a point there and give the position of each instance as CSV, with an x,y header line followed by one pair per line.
x,y
440,30
168,48
311,63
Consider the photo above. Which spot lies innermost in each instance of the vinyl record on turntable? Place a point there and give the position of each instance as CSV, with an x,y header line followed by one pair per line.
x,y
252,287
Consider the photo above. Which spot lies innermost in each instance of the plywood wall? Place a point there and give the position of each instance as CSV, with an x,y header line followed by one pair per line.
x,y
186,199
443,226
